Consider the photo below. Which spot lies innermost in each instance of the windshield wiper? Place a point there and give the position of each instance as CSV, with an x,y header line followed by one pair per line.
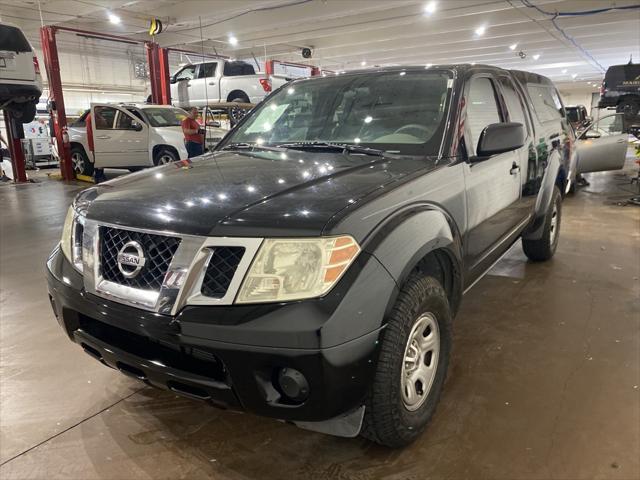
x,y
342,147
251,146
238,146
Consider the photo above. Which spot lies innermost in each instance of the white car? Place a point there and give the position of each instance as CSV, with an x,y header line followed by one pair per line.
x,y
20,79
211,82
128,136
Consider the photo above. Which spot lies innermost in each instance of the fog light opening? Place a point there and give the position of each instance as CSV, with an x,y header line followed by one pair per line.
x,y
293,385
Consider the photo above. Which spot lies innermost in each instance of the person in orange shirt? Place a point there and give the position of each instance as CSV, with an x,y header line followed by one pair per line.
x,y
193,139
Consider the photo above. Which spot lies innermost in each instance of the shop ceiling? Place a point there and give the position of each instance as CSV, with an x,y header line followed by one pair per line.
x,y
350,34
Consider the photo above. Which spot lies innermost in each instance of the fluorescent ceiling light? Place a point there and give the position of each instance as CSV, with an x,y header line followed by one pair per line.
x,y
113,18
430,7
363,63
564,70
513,47
574,75
480,30
536,56
233,40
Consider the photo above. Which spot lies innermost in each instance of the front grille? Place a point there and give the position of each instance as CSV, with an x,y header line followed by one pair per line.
x,y
170,353
220,271
158,252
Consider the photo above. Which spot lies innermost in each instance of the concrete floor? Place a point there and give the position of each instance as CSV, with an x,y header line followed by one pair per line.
x,y
544,380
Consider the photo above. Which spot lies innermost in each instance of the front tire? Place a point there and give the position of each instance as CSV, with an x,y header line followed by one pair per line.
x,y
164,156
544,248
412,366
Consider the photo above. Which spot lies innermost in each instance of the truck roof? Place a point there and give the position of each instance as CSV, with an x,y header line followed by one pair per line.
x,y
458,67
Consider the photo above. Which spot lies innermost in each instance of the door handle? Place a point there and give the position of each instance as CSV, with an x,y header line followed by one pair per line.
x,y
103,137
515,168
212,83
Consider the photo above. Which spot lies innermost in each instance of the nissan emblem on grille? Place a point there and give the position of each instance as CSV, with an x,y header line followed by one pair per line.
x,y
131,259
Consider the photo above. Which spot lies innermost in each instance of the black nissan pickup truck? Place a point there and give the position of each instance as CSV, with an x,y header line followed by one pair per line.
x,y
309,268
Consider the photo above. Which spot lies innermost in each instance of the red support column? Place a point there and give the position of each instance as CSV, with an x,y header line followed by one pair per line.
x,y
52,65
154,71
15,133
165,74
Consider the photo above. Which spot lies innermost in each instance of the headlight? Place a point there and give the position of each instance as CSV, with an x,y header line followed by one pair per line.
x,y
71,241
294,269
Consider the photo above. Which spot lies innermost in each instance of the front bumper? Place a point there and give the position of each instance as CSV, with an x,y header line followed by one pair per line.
x,y
230,356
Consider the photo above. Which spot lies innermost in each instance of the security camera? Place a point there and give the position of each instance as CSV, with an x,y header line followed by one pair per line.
x,y
306,52
522,55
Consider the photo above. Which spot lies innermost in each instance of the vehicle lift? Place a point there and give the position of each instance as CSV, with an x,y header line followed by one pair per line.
x,y
159,76
157,58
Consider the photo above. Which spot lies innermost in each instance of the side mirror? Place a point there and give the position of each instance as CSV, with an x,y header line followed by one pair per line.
x,y
499,138
592,134
136,126
635,130
213,123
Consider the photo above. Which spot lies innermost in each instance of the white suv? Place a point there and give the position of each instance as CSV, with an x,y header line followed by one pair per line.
x,y
20,79
130,136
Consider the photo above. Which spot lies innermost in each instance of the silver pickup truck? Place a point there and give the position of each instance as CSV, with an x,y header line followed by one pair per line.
x,y
210,82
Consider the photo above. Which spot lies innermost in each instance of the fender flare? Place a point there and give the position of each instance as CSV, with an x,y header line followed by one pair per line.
x,y
552,174
406,236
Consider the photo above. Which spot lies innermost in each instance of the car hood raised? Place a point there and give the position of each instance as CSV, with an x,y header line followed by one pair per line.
x,y
258,193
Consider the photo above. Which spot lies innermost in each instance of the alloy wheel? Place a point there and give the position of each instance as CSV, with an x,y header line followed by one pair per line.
x,y
164,159
78,162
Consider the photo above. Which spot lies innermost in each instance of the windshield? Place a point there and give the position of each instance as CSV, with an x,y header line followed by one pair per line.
x,y
398,112
165,117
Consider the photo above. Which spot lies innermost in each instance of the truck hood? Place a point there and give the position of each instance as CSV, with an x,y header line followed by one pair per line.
x,y
258,193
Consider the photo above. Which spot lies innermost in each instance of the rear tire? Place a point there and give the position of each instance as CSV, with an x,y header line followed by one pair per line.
x,y
24,112
165,155
240,99
543,249
81,163
630,108
404,393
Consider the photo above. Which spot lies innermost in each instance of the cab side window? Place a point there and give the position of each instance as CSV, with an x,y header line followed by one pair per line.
x,y
482,110
608,125
187,73
124,122
513,102
546,102
207,70
104,117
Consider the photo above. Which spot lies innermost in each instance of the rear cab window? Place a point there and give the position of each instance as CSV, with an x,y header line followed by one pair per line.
x,y
13,40
516,109
234,69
